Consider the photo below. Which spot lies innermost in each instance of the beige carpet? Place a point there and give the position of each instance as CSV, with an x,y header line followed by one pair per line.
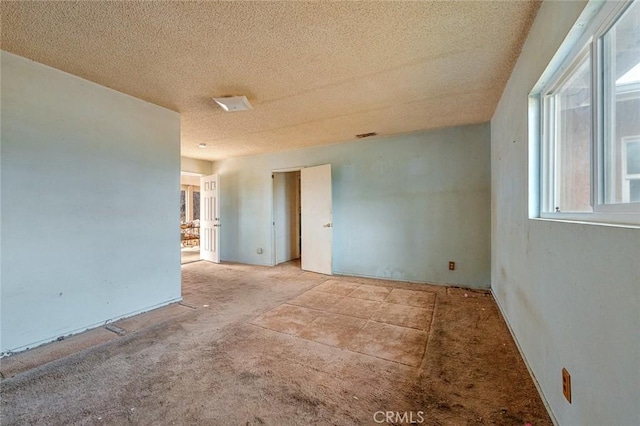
x,y
279,346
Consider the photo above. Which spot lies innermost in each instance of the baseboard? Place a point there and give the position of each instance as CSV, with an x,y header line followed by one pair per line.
x,y
526,363
470,287
82,329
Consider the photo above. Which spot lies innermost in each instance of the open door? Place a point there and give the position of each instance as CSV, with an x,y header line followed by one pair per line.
x,y
317,219
286,216
210,218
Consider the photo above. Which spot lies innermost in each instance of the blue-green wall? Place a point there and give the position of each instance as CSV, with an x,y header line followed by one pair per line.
x,y
570,291
403,205
90,184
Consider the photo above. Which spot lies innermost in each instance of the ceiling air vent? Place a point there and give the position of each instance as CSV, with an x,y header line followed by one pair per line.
x,y
366,135
233,103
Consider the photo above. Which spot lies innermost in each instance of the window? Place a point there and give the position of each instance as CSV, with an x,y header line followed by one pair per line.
x,y
631,170
189,203
183,209
588,106
621,68
568,120
196,204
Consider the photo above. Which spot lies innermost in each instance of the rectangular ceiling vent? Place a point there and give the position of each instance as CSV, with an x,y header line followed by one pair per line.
x,y
366,135
234,103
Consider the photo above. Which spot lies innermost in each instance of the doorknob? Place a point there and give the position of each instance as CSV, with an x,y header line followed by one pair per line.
x,y
327,225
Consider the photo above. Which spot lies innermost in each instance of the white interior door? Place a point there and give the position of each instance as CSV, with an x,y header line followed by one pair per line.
x,y
317,219
210,218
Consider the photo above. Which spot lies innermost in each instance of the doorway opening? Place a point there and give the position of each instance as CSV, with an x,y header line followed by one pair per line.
x,y
189,218
303,218
287,216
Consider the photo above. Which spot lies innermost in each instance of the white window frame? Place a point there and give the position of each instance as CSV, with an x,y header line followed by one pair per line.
x,y
549,147
585,38
626,177
188,196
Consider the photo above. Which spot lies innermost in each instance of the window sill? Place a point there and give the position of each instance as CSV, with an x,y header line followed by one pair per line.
x,y
592,219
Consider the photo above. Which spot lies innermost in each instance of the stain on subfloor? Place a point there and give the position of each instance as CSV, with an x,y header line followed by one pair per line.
x,y
306,364
387,323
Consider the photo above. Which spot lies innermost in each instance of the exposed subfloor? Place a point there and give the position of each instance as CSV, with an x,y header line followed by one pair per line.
x,y
256,345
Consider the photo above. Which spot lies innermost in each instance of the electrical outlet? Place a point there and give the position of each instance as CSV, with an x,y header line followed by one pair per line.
x,y
452,266
566,384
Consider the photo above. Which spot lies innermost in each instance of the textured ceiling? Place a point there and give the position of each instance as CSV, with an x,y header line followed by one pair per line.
x,y
316,73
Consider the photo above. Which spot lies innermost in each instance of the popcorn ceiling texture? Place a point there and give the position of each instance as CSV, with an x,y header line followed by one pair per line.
x,y
316,73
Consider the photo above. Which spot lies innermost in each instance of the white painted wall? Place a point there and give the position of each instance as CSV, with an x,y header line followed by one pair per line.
x,y
90,212
403,205
570,292
191,180
192,165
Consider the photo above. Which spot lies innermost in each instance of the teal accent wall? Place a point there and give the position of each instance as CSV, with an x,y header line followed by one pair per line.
x,y
403,206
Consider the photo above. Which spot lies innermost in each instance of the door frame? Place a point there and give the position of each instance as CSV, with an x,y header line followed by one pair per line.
x,y
274,259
